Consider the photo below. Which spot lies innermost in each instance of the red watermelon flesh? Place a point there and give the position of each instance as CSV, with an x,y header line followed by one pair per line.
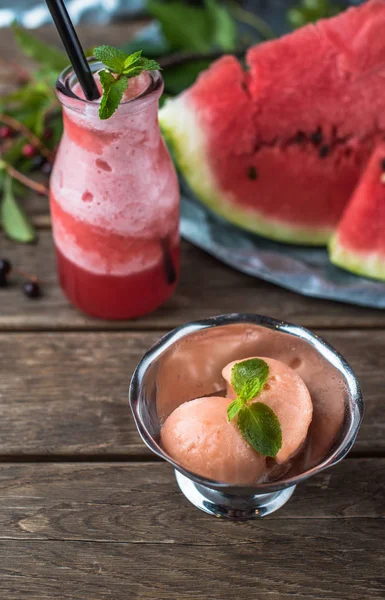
x,y
359,242
285,141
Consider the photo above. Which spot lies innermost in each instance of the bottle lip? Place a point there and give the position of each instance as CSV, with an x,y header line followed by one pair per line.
x,y
67,80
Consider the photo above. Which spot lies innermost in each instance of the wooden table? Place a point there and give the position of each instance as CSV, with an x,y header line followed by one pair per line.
x,y
86,513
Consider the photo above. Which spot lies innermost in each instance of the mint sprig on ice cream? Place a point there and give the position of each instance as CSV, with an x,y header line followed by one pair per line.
x,y
257,422
114,80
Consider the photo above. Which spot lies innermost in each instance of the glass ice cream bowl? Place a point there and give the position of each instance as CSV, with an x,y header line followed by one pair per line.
x,y
187,364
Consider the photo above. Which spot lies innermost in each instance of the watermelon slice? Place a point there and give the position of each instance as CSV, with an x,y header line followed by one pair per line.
x,y
359,242
278,148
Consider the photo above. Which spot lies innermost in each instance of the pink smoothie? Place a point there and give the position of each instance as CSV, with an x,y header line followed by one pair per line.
x,y
115,206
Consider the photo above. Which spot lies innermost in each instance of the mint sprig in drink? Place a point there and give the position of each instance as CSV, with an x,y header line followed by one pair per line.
x,y
114,192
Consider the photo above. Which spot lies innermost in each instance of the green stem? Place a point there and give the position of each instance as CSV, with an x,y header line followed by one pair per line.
x,y
249,18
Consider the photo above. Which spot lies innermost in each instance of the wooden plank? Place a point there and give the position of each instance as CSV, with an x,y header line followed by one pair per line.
x,y
224,290
67,395
309,559
94,531
131,503
206,288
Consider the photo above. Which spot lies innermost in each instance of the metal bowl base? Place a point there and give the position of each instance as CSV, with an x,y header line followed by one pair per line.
x,y
229,506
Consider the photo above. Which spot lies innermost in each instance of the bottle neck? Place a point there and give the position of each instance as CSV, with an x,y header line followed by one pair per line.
x,y
139,103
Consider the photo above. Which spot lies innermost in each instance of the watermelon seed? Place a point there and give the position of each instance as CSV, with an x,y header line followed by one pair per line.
x,y
252,173
382,164
317,137
324,151
300,137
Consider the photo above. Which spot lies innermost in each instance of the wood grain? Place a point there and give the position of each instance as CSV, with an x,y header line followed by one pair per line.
x,y
308,559
138,502
96,531
66,395
206,288
120,529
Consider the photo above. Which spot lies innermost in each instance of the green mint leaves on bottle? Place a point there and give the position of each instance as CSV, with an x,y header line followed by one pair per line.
x,y
257,423
114,80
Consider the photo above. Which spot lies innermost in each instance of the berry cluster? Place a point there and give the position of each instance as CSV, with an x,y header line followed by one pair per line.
x,y
31,287
30,151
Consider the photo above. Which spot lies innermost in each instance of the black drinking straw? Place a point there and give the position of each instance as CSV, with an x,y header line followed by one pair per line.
x,y
74,50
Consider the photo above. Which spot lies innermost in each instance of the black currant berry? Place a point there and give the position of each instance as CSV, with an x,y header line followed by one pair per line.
x,y
37,162
46,167
5,266
31,289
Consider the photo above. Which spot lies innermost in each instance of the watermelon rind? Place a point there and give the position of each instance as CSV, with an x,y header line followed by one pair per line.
x,y
368,264
187,142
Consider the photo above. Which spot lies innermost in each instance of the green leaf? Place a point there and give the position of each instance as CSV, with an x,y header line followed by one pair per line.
x,y
13,219
249,377
223,26
56,124
261,429
310,11
185,27
139,65
195,29
132,59
15,151
111,57
133,72
46,55
147,64
234,408
125,67
46,77
113,90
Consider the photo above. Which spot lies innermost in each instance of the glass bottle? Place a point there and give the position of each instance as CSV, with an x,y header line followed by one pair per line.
x,y
114,200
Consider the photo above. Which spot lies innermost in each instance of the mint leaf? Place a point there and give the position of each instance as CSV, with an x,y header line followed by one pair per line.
x,y
125,67
132,59
132,72
45,54
260,427
234,408
13,219
147,64
113,90
112,58
134,68
249,377
122,64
